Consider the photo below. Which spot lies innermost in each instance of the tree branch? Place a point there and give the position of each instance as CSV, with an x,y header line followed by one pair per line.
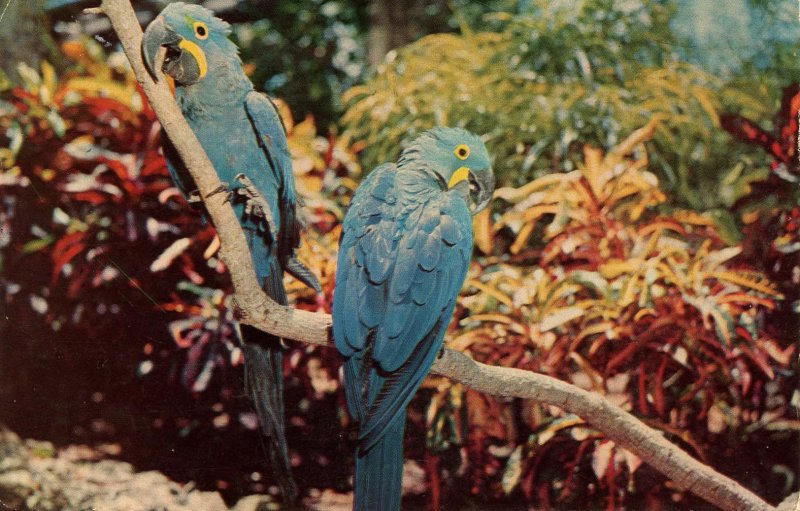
x,y
314,328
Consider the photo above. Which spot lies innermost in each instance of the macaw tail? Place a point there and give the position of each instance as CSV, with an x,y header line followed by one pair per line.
x,y
263,356
379,472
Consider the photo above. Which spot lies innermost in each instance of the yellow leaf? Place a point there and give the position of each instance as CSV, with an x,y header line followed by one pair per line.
x,y
483,231
522,238
593,169
625,147
615,268
557,426
285,114
515,195
629,289
594,329
306,128
707,103
495,318
560,317
717,257
751,280
498,295
105,88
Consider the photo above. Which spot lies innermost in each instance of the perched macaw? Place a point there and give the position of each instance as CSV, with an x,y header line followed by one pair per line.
x,y
244,138
403,255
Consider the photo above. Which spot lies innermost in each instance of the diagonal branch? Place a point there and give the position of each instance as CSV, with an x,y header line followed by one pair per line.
x,y
313,328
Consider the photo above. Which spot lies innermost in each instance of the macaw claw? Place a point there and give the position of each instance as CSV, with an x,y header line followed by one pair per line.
x,y
222,188
299,271
195,200
238,312
255,204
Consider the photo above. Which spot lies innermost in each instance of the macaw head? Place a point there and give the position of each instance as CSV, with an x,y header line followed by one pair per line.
x,y
459,160
195,40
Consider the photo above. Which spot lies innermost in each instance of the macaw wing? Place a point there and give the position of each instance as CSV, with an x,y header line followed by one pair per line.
x,y
271,136
177,170
393,392
398,286
371,216
430,262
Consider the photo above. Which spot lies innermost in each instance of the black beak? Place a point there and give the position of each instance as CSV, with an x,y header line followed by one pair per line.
x,y
481,189
157,34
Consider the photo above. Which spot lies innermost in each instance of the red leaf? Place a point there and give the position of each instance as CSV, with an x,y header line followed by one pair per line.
x,y
92,197
117,168
154,165
785,121
621,357
759,359
746,130
658,387
64,258
64,250
642,382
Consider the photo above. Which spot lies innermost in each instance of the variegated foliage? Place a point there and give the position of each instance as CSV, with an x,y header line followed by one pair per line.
x,y
591,284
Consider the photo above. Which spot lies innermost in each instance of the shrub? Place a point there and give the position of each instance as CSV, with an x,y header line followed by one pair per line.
x,y
116,291
552,79
593,286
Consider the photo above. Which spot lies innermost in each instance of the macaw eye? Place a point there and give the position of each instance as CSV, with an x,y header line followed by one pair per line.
x,y
200,30
461,151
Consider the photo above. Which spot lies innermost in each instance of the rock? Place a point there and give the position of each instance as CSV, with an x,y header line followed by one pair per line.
x,y
40,449
12,452
35,476
15,487
329,500
205,500
414,479
790,503
256,503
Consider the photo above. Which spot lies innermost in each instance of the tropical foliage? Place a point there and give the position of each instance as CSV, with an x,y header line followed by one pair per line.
x,y
115,284
555,77
591,268
595,287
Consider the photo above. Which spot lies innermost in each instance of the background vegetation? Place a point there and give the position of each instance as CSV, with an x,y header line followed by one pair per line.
x,y
643,244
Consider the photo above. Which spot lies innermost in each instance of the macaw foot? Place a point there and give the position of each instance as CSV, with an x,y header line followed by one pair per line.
x,y
222,188
238,312
299,271
255,204
195,200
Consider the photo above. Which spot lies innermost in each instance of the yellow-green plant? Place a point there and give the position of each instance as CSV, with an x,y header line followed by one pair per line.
x,y
542,87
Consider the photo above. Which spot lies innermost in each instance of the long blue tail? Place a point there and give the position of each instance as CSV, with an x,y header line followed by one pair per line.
x,y
379,472
263,357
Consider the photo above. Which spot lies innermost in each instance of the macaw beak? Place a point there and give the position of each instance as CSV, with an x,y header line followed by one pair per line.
x,y
481,189
157,34
185,62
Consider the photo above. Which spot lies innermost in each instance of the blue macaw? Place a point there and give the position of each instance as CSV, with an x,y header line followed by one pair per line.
x,y
403,255
244,138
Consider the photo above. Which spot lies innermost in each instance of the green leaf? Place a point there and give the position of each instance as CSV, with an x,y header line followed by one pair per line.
x,y
728,228
37,244
513,471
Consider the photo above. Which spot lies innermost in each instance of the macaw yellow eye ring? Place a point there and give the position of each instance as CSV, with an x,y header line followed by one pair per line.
x,y
200,30
461,151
